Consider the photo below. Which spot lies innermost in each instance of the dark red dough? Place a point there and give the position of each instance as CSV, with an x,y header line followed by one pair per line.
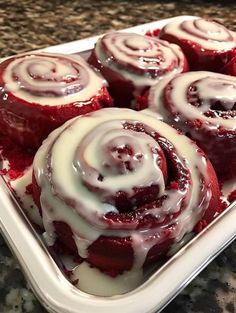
x,y
108,254
230,67
120,89
153,33
28,123
142,101
224,146
232,196
18,158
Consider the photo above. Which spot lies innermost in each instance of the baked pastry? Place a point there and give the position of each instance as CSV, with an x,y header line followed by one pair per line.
x,y
126,188
207,45
132,63
203,105
39,92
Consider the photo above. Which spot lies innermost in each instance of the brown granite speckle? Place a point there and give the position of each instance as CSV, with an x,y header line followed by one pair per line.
x,y
27,25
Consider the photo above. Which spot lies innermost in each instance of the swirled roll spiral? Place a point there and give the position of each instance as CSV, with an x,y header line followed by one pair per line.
x,y
206,44
126,187
203,105
131,63
39,92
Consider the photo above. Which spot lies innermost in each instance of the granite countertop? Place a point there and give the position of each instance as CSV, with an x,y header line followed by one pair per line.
x,y
27,25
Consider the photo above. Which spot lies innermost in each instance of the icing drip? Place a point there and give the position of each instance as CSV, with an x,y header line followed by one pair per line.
x,y
138,58
104,285
51,79
210,35
65,176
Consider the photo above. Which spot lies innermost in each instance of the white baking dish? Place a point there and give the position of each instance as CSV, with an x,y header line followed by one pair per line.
x,y
57,294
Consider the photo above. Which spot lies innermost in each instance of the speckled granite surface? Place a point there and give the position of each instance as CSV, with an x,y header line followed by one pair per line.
x,y
27,25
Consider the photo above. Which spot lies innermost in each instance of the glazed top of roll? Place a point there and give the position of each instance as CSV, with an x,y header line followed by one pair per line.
x,y
208,34
119,150
49,79
141,59
206,97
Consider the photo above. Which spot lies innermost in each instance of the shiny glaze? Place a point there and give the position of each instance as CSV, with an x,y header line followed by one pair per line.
x,y
206,44
132,63
40,92
144,231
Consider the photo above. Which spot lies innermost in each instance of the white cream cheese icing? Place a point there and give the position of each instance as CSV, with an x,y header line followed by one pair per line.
x,y
209,86
141,52
85,218
208,34
51,79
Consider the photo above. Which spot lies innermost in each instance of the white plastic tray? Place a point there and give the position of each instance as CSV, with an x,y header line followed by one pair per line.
x,y
58,295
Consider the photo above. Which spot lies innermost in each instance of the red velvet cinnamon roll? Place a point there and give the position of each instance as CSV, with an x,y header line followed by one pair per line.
x,y
131,63
125,189
203,105
206,44
39,92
